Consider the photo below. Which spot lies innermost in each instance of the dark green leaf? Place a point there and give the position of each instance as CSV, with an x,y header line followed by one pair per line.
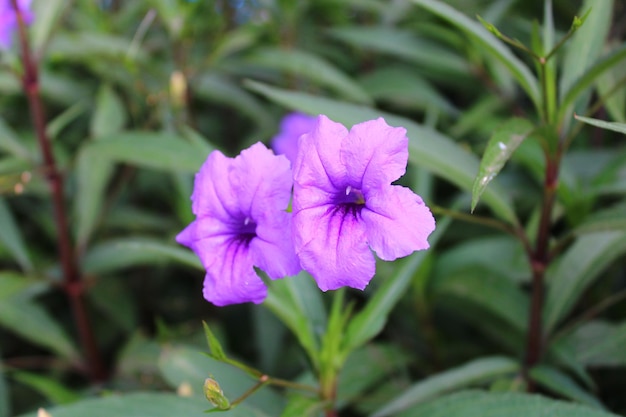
x,y
492,404
128,252
614,126
517,68
110,115
49,387
11,237
214,345
560,383
478,371
311,67
577,269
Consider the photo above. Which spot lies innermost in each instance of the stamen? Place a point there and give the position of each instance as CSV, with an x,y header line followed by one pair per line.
x,y
348,189
246,221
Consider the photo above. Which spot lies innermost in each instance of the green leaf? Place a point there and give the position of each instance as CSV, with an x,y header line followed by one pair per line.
x,y
405,45
297,302
151,150
610,89
49,387
583,51
214,345
48,14
403,87
427,148
498,404
609,219
488,291
578,268
185,365
491,44
60,122
560,383
614,126
503,143
129,252
11,143
142,404
11,237
33,323
601,344
478,371
93,172
311,67
370,321
299,405
110,115
113,297
587,79
355,380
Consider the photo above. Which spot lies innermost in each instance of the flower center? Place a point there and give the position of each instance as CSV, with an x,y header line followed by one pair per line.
x,y
350,201
354,196
247,230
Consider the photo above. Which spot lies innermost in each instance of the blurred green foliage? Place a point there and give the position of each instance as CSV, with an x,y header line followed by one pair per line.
x,y
137,93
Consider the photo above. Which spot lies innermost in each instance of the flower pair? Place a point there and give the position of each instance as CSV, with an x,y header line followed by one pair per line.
x,y
344,203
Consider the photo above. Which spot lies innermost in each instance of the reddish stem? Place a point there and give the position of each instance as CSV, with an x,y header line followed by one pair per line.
x,y
72,283
539,259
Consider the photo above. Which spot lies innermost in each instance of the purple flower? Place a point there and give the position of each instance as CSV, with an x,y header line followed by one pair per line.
x,y
241,222
8,20
344,203
292,127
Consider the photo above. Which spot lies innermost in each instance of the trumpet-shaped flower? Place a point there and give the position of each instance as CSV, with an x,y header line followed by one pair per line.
x,y
8,20
344,202
292,126
241,222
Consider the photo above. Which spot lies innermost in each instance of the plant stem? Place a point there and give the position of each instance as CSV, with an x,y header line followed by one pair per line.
x,y
539,261
72,283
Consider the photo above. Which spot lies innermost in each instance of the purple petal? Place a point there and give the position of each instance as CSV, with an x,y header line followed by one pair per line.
x,y
318,164
292,127
232,280
261,181
213,194
332,246
397,222
374,154
273,250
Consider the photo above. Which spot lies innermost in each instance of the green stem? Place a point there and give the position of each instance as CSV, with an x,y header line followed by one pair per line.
x,y
472,218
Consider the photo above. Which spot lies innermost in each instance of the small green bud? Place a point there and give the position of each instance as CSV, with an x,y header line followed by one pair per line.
x,y
490,27
577,23
215,395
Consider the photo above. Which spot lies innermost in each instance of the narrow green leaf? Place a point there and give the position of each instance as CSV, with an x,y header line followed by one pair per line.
x,y
614,126
93,172
122,253
427,148
587,79
560,383
48,13
142,404
110,115
498,296
33,323
579,267
60,122
11,143
214,345
500,404
152,150
370,321
609,219
584,49
604,348
299,405
50,388
311,67
501,146
478,371
405,45
611,91
296,301
518,69
11,237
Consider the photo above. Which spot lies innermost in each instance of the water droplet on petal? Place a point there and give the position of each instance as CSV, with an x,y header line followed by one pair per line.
x,y
501,145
